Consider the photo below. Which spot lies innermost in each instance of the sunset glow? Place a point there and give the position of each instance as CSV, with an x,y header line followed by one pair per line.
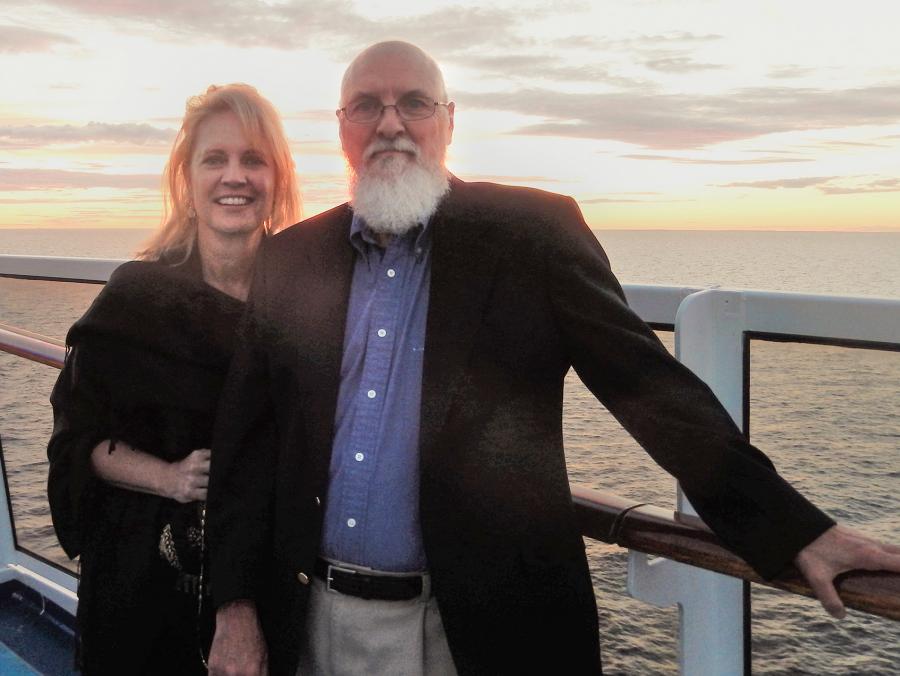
x,y
652,114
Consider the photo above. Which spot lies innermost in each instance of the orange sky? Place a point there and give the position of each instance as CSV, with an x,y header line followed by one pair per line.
x,y
652,114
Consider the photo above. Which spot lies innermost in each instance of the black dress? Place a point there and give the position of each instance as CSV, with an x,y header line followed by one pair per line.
x,y
145,365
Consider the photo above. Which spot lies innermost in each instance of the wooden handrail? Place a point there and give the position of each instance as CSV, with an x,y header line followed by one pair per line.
x,y
615,520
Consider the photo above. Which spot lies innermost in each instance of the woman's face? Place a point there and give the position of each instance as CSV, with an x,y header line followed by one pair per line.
x,y
232,182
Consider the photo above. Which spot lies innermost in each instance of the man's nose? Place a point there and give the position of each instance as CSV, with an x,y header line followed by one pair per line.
x,y
389,124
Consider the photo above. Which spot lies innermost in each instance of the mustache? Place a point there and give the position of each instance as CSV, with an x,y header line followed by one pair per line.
x,y
400,144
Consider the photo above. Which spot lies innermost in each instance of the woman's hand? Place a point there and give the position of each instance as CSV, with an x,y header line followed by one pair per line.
x,y
126,467
189,477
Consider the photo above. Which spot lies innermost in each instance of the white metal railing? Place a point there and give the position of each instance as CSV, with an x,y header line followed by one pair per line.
x,y
711,326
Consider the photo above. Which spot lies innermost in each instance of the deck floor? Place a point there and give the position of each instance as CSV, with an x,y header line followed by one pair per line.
x,y
36,636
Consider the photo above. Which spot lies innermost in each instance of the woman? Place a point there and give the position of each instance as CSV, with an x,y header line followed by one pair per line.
x,y
134,405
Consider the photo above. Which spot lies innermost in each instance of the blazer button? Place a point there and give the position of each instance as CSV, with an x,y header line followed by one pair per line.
x,y
302,578
318,501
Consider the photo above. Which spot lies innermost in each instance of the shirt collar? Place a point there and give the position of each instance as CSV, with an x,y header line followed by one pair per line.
x,y
362,237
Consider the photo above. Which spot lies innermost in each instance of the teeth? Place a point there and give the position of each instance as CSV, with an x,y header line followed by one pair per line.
x,y
233,201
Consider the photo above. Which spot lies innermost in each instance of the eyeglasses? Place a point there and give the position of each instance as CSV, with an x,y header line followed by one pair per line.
x,y
410,108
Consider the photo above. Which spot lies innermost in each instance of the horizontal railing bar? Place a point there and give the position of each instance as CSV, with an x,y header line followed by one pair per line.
x,y
58,268
660,532
32,346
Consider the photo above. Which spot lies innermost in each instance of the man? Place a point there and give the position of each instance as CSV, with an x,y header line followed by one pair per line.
x,y
388,490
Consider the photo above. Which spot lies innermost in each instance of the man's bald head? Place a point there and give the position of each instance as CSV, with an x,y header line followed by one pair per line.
x,y
382,56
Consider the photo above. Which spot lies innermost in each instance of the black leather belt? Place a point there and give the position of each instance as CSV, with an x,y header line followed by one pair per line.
x,y
366,586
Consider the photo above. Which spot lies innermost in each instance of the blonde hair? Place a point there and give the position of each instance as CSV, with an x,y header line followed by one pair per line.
x,y
262,125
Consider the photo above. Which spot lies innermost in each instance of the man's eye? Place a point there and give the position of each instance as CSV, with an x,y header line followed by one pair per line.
x,y
364,106
415,104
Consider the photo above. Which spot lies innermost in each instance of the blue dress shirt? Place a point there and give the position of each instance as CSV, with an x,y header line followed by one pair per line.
x,y
372,508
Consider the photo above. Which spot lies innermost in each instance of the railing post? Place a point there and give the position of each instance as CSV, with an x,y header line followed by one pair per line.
x,y
709,339
7,537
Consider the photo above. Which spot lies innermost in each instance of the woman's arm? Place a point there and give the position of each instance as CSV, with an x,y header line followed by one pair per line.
x,y
125,467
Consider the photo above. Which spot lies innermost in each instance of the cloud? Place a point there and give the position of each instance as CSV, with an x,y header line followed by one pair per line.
x,y
855,144
828,185
670,39
296,24
700,160
30,136
538,65
44,199
56,179
617,200
679,64
803,182
318,115
683,121
789,71
504,178
18,39
675,37
882,185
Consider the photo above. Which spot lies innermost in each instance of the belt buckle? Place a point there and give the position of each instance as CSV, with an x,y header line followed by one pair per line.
x,y
328,575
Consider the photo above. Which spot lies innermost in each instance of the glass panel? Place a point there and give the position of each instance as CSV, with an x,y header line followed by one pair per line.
x,y
636,638
26,418
828,419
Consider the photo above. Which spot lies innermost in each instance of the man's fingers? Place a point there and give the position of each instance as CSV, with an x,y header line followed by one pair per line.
x,y
827,594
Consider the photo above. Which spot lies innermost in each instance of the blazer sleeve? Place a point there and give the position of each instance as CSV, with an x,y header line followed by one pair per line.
x,y
241,488
671,413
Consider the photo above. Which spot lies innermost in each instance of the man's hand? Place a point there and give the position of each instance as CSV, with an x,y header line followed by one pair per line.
x,y
238,647
836,551
189,477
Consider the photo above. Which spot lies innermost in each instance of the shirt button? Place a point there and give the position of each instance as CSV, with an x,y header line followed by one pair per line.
x,y
382,333
391,272
359,457
370,394
351,522
302,578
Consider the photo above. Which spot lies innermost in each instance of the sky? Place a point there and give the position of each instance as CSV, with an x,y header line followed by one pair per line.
x,y
653,114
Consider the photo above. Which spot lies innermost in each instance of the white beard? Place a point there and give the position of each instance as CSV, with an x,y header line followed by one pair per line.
x,y
396,192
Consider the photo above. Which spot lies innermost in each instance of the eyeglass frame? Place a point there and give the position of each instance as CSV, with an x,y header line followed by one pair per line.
x,y
342,112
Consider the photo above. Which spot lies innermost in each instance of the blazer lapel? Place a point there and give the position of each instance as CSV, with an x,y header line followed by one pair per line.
x,y
321,308
461,279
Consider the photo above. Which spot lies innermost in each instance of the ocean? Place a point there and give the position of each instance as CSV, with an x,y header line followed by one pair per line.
x,y
827,416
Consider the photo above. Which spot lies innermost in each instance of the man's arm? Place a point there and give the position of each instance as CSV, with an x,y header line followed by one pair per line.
x,y
679,421
241,494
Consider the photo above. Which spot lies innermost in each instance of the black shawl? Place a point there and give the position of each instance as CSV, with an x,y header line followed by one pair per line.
x,y
145,365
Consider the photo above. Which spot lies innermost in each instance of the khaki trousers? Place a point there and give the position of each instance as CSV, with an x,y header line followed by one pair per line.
x,y
350,636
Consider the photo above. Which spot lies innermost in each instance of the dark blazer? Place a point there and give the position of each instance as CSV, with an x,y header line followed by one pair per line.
x,y
520,291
